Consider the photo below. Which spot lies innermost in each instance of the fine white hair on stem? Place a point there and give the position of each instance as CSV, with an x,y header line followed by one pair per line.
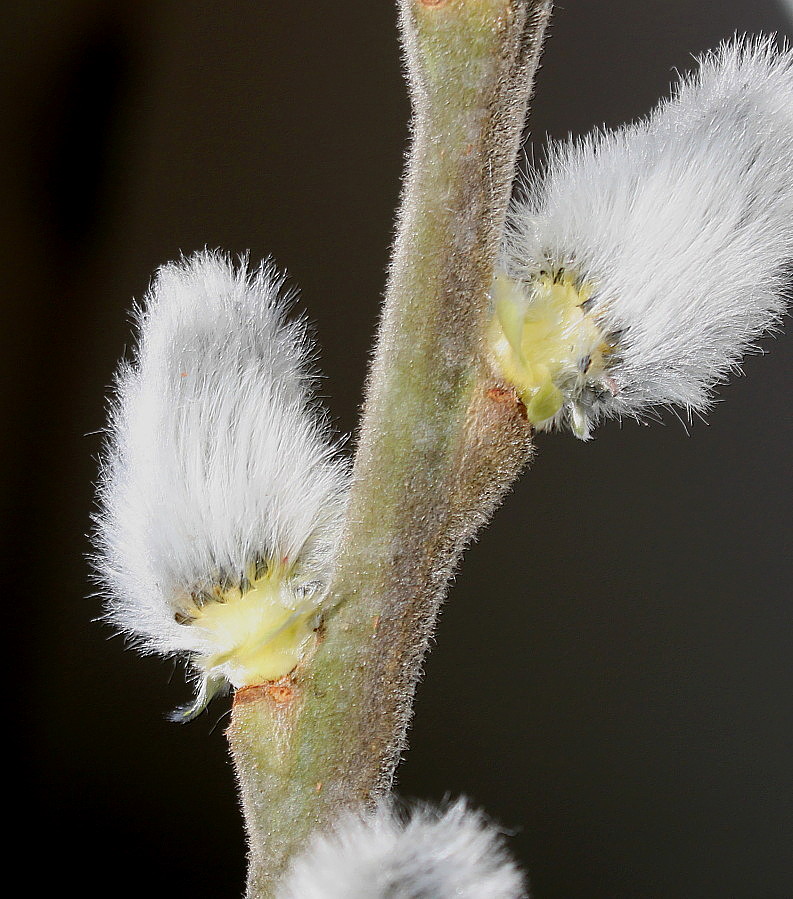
x,y
219,471
444,854
675,234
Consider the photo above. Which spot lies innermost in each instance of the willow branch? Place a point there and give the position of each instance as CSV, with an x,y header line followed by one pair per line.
x,y
441,440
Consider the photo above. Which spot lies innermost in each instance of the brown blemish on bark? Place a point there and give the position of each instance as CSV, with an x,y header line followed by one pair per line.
x,y
281,692
433,2
507,395
500,394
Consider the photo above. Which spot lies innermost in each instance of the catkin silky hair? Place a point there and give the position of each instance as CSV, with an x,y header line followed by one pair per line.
x,y
221,492
641,264
444,854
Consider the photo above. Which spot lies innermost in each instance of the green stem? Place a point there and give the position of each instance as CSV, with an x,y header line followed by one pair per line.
x,y
441,439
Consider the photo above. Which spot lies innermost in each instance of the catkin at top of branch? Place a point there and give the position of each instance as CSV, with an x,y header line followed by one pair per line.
x,y
641,264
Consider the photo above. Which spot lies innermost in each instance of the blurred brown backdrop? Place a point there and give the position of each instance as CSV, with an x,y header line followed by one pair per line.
x,y
612,678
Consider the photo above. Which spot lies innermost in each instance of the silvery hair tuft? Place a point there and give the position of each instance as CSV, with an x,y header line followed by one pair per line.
x,y
217,455
451,854
680,225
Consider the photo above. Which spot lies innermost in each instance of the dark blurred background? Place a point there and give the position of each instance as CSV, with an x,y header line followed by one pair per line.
x,y
612,679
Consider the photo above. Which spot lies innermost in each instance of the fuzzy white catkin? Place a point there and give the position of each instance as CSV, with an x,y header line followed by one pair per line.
x,y
682,225
217,455
451,854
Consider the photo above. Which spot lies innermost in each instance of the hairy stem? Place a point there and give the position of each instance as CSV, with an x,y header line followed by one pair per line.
x,y
440,441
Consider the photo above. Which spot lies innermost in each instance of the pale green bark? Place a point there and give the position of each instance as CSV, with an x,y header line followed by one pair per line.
x,y
441,440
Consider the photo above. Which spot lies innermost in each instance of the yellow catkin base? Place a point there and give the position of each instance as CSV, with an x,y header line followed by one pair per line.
x,y
546,345
261,632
